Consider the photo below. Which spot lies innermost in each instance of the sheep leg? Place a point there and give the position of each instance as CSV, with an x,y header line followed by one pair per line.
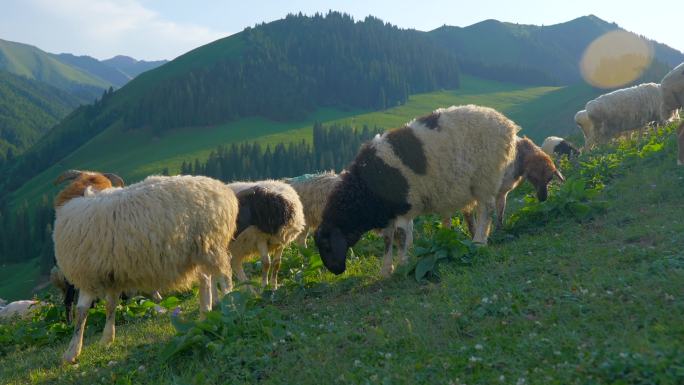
x,y
108,333
265,263
301,238
468,217
388,237
276,267
404,234
500,210
483,221
156,297
204,294
74,349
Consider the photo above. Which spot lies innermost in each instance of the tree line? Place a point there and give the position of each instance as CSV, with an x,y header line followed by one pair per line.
x,y
26,233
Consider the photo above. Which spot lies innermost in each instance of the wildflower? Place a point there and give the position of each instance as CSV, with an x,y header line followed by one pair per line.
x,y
141,368
176,311
475,359
479,347
357,363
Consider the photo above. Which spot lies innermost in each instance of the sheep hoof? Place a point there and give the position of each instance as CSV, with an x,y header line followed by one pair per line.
x,y
69,358
387,271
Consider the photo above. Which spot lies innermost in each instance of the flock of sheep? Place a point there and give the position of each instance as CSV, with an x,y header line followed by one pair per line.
x,y
169,232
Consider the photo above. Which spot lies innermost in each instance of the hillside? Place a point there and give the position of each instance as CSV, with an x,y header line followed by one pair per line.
x,y
589,293
535,54
283,71
131,67
33,63
88,64
28,108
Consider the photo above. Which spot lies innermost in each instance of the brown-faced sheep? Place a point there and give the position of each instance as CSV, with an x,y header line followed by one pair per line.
x,y
437,164
161,233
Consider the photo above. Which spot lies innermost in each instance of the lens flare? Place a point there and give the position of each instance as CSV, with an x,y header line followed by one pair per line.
x,y
615,59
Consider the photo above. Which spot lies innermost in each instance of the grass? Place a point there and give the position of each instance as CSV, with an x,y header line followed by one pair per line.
x,y
572,302
17,280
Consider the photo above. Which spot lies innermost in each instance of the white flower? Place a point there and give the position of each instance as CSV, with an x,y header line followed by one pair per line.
x,y
479,347
521,381
475,359
502,378
357,363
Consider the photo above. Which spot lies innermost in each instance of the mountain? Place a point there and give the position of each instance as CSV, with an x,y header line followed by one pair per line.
x,y
28,108
131,67
284,70
33,63
535,54
95,67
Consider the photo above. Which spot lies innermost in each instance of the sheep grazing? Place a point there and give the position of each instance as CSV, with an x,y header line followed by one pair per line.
x,y
680,144
620,111
438,164
313,191
20,309
270,217
530,163
163,232
672,88
556,147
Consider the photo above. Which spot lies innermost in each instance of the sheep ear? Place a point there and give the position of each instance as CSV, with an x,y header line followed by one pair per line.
x,y
558,174
67,175
116,180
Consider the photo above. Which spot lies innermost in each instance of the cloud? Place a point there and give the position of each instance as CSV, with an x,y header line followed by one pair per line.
x,y
102,28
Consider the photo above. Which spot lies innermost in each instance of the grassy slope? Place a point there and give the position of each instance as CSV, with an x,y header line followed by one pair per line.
x,y
29,61
146,154
592,303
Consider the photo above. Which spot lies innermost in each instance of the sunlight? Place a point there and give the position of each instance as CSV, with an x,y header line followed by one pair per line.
x,y
615,59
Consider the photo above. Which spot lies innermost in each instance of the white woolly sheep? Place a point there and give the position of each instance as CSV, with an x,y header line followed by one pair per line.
x,y
161,233
672,88
437,164
270,217
620,111
554,146
314,189
530,163
20,309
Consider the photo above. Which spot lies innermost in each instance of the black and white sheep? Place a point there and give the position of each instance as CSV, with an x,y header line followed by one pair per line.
x,y
438,164
161,233
270,217
554,146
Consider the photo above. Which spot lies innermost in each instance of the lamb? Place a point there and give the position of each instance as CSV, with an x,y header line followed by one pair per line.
x,y
438,164
620,111
313,191
530,163
555,146
680,144
20,309
270,217
161,233
672,89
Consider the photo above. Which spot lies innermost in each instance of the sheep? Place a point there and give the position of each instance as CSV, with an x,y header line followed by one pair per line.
x,y
530,163
680,144
163,232
619,111
21,309
555,146
313,191
270,217
672,89
438,164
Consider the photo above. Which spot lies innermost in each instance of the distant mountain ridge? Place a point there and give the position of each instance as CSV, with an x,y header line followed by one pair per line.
x,y
131,67
535,54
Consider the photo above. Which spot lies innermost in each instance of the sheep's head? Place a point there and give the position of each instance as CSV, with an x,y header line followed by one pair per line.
x,y
538,167
332,246
83,181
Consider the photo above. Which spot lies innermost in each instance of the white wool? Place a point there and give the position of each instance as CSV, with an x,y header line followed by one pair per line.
x,y
19,309
313,192
672,88
550,144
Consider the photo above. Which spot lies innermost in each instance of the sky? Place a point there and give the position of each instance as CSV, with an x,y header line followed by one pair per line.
x,y
165,29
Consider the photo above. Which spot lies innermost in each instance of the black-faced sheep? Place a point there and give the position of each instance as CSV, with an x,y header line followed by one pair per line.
x,y
161,233
313,191
438,164
530,163
270,217
620,111
672,88
554,146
